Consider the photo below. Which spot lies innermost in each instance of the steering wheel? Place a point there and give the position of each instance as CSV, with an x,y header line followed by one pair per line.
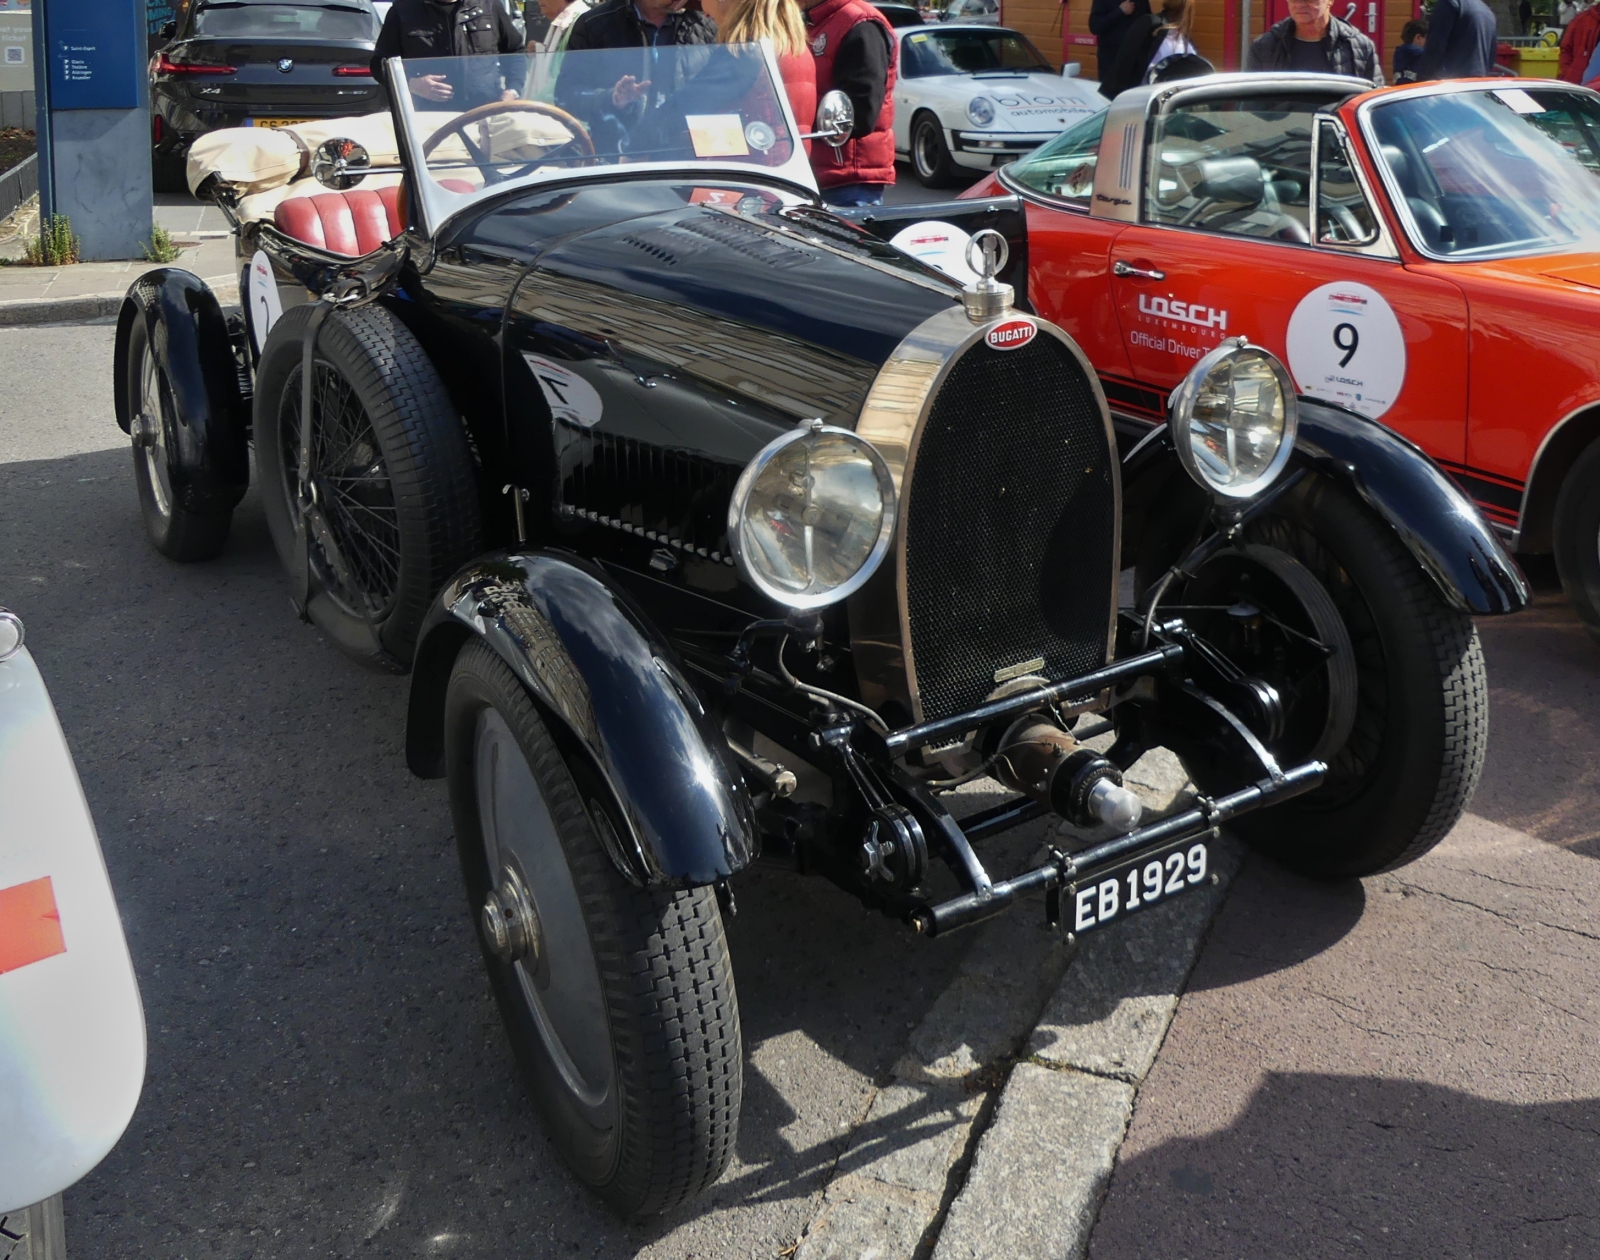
x,y
1346,221
581,140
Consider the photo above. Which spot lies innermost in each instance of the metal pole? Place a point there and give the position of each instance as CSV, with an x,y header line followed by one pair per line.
x,y
1244,34
41,115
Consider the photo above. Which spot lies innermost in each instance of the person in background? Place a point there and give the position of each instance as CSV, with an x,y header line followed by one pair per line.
x,y
747,21
1525,16
1591,74
855,51
1462,36
562,16
1409,51
1109,23
443,28
1150,40
1578,44
1312,39
616,93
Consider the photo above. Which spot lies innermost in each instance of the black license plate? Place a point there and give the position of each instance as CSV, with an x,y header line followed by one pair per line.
x,y
1137,885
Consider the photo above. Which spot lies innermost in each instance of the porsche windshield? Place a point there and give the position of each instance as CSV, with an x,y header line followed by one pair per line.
x,y
485,120
970,51
1496,173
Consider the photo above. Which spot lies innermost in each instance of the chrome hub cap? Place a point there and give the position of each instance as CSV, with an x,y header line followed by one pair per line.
x,y
149,432
510,924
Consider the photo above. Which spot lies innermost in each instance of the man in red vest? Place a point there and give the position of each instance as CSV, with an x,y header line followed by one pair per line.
x,y
855,51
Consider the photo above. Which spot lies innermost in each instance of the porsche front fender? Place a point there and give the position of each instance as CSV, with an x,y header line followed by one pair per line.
x,y
612,689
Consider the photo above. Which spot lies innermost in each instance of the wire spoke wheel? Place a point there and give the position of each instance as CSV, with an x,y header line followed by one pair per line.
x,y
358,561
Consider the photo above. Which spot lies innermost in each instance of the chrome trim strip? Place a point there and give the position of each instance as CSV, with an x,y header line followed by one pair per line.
x,y
1383,246
892,419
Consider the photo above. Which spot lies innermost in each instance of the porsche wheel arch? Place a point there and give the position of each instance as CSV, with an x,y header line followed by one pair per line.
x,y
1452,543
1557,453
195,351
613,695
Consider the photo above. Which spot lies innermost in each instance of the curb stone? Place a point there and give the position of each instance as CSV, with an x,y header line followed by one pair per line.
x,y
904,1160
82,307
1039,1172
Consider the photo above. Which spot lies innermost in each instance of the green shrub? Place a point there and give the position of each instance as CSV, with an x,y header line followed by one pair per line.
x,y
160,248
57,244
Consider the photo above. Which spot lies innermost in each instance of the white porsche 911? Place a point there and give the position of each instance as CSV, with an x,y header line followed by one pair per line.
x,y
977,97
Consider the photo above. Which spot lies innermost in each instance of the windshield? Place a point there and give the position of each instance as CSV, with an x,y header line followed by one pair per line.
x,y
969,51
1496,173
485,120
286,21
1064,167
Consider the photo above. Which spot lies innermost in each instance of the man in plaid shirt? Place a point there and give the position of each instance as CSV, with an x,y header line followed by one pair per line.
x,y
1312,39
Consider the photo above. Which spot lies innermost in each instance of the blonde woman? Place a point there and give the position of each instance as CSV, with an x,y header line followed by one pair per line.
x,y
747,21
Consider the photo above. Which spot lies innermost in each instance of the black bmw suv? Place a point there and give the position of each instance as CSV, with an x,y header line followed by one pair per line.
x,y
262,63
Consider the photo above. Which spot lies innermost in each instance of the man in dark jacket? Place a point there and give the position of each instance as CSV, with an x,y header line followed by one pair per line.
x,y
613,94
443,28
1461,43
1312,39
1108,23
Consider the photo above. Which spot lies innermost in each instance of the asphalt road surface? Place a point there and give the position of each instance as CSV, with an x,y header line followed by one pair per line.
x,y
328,1073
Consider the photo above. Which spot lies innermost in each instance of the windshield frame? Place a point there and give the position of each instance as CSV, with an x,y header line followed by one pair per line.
x,y
436,205
1395,195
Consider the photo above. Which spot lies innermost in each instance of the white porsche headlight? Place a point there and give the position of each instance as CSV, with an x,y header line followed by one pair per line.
x,y
980,109
812,515
1233,420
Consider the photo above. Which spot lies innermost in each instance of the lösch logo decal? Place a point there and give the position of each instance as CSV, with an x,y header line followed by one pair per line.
x,y
1012,334
1196,313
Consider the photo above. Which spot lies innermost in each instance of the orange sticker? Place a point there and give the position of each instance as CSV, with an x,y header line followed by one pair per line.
x,y
30,925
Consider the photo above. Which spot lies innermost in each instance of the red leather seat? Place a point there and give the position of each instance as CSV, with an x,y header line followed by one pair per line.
x,y
353,222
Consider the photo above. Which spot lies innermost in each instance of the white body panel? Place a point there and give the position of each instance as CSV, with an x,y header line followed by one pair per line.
x,y
72,1037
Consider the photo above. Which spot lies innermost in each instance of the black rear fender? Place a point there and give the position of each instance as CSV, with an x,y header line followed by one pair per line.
x,y
614,694
185,325
1436,522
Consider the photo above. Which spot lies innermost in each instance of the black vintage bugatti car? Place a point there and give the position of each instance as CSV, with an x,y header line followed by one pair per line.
x,y
711,524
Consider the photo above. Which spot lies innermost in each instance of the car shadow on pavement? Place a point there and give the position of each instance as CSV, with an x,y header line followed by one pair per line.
x,y
1544,722
327,1072
1337,1166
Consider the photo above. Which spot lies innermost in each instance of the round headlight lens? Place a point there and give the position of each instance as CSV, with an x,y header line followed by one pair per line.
x,y
980,109
1234,419
812,515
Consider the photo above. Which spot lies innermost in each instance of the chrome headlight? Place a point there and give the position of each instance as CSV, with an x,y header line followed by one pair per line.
x,y
11,634
980,109
812,515
1233,419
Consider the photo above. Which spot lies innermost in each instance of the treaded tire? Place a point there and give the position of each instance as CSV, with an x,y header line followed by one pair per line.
x,y
436,523
1416,747
1577,538
671,1011
174,530
930,155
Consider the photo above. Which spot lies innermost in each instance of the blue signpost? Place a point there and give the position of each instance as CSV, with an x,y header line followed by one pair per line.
x,y
94,121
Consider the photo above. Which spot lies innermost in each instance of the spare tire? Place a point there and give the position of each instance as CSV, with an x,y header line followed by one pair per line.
x,y
391,508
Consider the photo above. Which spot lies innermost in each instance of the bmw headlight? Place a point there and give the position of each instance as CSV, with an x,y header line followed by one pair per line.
x,y
812,515
1233,419
980,109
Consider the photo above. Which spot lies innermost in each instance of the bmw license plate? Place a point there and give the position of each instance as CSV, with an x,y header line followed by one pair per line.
x,y
1138,885
276,122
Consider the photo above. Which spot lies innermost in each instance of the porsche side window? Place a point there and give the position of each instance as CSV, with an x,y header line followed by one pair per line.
x,y
1064,168
1240,167
1343,215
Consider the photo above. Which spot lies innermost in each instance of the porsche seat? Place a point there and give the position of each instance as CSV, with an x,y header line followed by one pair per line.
x,y
353,222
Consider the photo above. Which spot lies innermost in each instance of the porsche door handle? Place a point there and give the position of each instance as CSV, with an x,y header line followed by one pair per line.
x,y
1120,268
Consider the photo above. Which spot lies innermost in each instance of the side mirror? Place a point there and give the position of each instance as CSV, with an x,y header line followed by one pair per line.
x,y
836,119
340,164
1071,70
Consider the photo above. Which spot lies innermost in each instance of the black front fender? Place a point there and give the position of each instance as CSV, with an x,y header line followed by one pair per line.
x,y
185,325
617,695
1433,519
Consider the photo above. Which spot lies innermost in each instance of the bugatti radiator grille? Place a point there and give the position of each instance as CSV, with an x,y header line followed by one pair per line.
x,y
1011,526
